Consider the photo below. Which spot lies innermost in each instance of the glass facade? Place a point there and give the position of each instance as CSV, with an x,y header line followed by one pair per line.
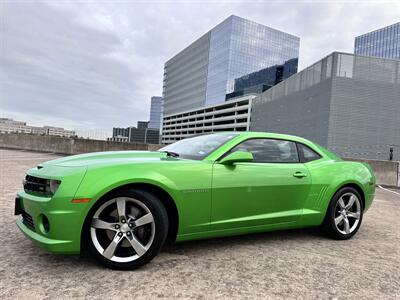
x,y
239,47
204,72
384,42
156,113
260,81
185,77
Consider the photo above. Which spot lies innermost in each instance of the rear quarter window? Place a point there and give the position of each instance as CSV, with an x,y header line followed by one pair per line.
x,y
307,154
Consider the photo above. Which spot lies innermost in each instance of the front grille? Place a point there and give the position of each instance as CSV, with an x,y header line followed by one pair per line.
x,y
27,220
35,185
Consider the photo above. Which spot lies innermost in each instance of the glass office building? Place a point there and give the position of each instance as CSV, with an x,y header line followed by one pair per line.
x,y
384,42
156,113
260,81
204,72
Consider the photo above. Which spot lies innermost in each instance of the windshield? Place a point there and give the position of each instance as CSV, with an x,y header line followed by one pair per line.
x,y
200,146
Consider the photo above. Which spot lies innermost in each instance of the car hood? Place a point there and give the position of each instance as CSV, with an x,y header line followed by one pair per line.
x,y
109,157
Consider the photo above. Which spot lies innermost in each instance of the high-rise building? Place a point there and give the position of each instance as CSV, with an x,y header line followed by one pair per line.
x,y
139,134
260,81
142,124
156,113
347,103
204,72
384,42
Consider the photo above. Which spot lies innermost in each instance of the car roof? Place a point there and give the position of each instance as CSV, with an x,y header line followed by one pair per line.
x,y
255,134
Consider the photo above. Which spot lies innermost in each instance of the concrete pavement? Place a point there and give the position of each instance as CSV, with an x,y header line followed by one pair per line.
x,y
296,264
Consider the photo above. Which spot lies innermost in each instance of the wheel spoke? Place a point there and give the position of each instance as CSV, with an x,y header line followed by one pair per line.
x,y
118,217
351,202
355,215
121,204
110,250
339,219
136,245
346,226
100,224
146,219
341,203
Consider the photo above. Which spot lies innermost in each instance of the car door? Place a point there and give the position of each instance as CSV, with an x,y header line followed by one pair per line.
x,y
270,190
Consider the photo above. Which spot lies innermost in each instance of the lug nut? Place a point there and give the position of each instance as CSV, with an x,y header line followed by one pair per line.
x,y
117,226
130,225
128,233
123,221
119,233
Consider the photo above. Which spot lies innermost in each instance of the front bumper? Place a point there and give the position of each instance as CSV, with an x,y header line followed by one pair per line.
x,y
51,245
65,222
53,222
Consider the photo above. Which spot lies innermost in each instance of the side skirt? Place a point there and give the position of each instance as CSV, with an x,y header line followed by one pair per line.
x,y
236,231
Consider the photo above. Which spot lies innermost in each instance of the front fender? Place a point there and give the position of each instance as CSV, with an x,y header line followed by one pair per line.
x,y
188,184
98,182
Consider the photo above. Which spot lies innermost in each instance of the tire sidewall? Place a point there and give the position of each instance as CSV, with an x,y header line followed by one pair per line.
x,y
160,222
329,223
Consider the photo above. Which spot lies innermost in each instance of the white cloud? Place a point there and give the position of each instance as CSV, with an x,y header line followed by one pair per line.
x,y
96,64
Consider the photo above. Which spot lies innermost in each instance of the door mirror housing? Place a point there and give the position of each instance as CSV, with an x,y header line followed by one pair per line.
x,y
236,157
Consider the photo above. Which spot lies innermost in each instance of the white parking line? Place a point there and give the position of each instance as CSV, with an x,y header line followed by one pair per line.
x,y
388,190
383,201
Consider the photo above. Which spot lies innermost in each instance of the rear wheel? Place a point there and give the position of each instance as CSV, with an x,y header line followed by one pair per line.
x,y
344,215
127,229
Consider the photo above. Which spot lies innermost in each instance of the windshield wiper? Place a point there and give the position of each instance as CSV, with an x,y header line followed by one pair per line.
x,y
170,153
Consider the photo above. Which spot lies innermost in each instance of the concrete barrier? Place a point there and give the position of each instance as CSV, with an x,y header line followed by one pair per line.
x,y
62,145
387,172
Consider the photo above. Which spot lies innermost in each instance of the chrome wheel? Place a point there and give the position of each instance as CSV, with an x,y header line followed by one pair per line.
x,y
122,229
347,213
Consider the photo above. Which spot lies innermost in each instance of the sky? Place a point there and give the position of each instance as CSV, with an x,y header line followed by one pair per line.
x,y
94,65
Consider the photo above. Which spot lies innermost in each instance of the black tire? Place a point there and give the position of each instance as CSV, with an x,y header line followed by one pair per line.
x,y
160,221
329,227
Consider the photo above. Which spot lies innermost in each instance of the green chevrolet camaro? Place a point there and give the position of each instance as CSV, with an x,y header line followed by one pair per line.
x,y
123,206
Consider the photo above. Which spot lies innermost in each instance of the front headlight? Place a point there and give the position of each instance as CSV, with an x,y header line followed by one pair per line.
x,y
53,186
40,186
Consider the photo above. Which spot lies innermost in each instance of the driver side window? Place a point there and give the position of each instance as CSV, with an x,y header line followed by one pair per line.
x,y
270,150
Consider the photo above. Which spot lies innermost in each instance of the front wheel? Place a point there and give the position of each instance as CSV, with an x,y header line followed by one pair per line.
x,y
127,229
344,215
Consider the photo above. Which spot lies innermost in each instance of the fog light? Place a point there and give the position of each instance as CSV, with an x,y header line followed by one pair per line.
x,y
44,224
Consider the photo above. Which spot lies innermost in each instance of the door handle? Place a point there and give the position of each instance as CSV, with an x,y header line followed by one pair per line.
x,y
300,174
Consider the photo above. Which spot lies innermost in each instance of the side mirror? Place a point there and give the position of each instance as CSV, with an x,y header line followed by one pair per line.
x,y
237,156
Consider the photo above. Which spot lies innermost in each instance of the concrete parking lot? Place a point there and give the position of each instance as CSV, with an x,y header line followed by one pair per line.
x,y
296,264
